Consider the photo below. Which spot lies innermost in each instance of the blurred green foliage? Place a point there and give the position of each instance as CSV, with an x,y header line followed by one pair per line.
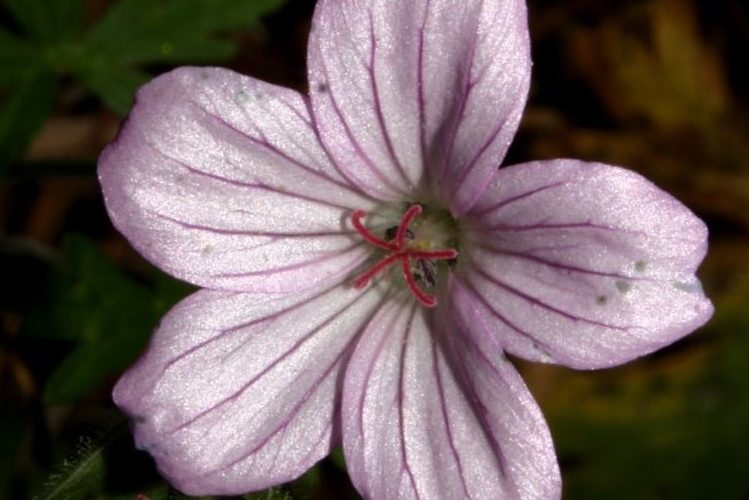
x,y
106,316
665,436
51,41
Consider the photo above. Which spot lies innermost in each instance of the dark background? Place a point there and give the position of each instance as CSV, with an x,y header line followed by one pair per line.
x,y
658,86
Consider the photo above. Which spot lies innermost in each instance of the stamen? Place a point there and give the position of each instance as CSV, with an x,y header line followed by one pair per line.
x,y
423,297
367,235
400,251
426,273
408,217
381,265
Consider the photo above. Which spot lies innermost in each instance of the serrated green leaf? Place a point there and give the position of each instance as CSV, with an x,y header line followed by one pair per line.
x,y
91,363
19,60
105,314
67,18
31,15
144,31
84,474
115,85
108,314
89,299
48,20
23,114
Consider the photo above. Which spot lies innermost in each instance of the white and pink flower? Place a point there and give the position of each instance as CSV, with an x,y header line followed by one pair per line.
x,y
366,265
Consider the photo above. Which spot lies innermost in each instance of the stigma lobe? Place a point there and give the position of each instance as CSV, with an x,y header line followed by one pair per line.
x,y
399,251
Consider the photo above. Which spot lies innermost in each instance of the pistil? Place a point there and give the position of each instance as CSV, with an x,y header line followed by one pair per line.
x,y
400,249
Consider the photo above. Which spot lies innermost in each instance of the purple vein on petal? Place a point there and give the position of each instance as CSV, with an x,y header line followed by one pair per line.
x,y
466,171
235,328
553,248
299,265
244,232
563,225
304,119
196,171
354,187
264,143
322,436
238,393
445,416
420,87
371,69
535,341
544,305
559,265
238,183
522,196
229,354
487,144
371,365
300,404
467,86
401,400
284,423
300,196
460,370
228,331
355,143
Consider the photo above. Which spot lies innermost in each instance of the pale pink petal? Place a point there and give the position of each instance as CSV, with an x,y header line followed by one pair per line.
x,y
581,264
419,94
238,392
220,180
427,415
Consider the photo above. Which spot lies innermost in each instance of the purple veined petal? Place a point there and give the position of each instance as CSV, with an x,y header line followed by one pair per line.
x,y
419,94
581,264
238,392
428,417
220,180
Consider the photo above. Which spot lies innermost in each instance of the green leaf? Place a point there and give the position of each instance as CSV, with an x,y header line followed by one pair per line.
x,y
31,15
103,313
48,20
148,31
86,296
91,363
115,85
112,82
19,60
84,474
23,114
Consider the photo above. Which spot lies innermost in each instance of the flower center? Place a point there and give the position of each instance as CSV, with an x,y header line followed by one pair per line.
x,y
404,249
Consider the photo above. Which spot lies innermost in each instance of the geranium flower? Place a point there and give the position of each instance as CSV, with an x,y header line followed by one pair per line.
x,y
367,266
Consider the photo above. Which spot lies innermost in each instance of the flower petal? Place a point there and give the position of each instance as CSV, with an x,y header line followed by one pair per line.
x,y
581,264
420,93
220,180
238,391
427,415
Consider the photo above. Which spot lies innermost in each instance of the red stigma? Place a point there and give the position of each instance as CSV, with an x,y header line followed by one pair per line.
x,y
399,251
